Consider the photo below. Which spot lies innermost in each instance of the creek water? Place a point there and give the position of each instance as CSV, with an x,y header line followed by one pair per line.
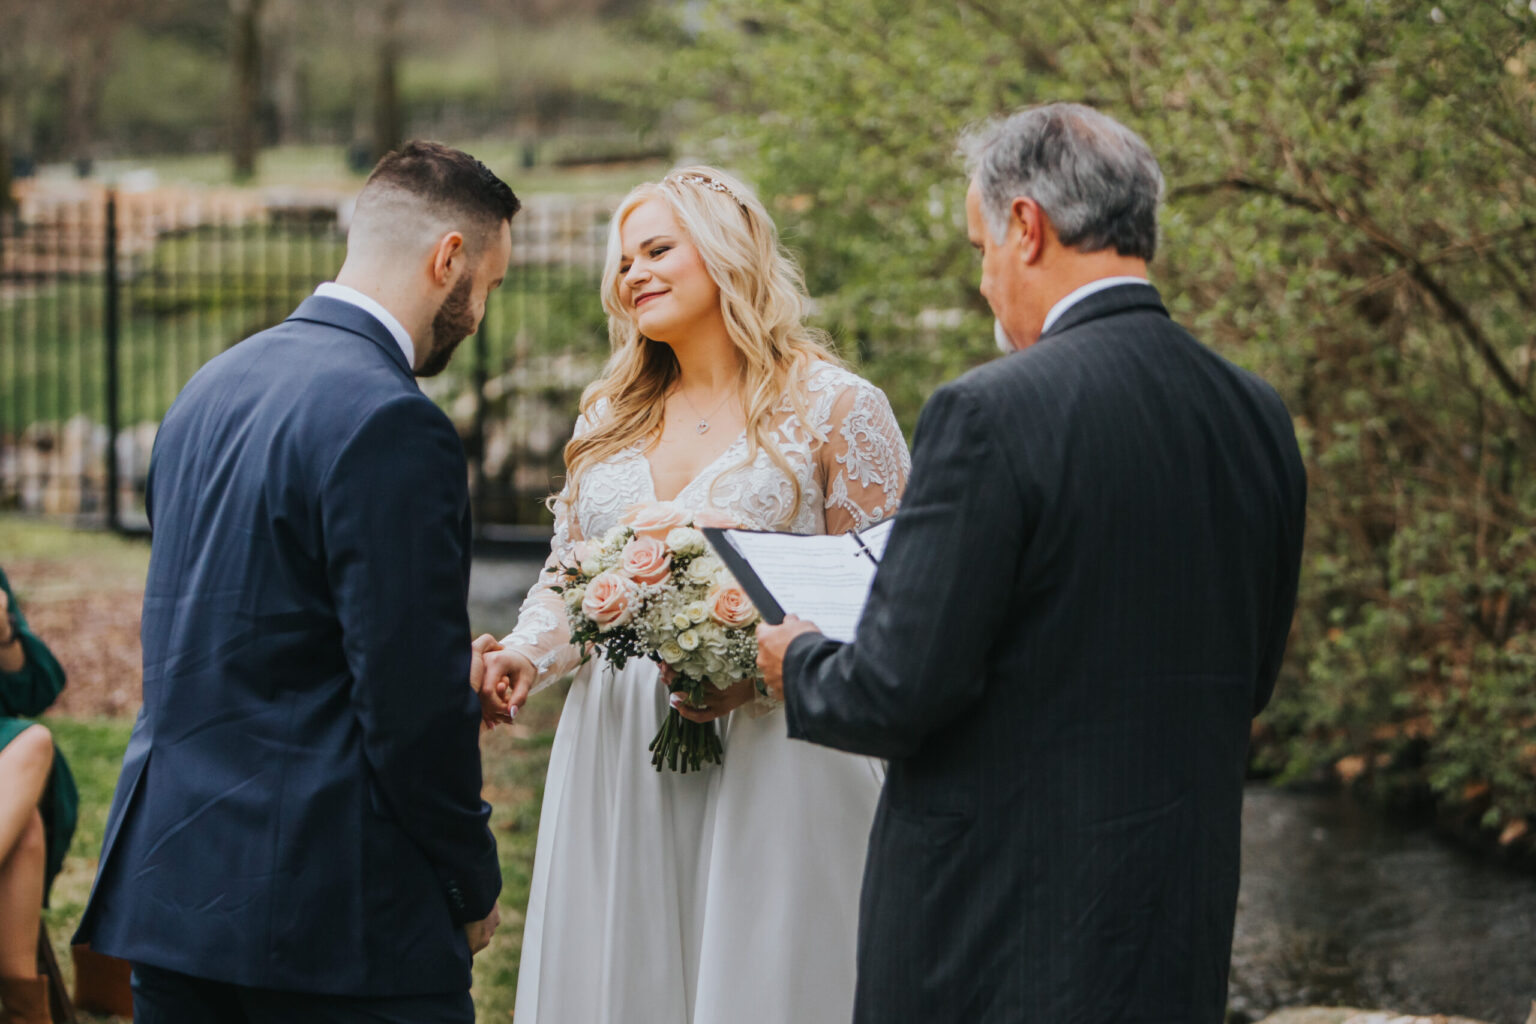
x,y
1342,905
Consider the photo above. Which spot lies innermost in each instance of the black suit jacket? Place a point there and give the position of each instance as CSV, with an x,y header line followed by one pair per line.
x,y
299,806
1084,601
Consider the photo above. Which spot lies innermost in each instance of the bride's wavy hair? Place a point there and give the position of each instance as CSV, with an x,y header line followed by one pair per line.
x,y
762,300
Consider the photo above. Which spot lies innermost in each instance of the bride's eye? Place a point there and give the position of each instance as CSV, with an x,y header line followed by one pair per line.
x,y
658,251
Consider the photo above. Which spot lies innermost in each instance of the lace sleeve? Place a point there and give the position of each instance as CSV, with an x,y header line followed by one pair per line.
x,y
863,464
864,461
543,630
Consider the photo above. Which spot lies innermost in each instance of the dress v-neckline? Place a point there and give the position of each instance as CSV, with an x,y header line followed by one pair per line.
x,y
650,473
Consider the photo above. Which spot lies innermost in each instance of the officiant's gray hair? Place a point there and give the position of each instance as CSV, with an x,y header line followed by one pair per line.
x,y
1095,178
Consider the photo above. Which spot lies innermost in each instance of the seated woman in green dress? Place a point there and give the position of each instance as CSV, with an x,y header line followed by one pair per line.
x,y
37,809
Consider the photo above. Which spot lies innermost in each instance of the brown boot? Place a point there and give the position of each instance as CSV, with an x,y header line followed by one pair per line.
x,y
25,1001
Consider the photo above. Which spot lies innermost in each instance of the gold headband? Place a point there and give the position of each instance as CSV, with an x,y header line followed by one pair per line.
x,y
711,184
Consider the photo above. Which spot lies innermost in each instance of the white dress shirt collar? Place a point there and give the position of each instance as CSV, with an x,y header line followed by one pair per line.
x,y
332,290
1082,293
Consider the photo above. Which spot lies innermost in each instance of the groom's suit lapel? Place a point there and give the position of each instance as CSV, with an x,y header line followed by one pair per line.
x,y
1122,298
318,309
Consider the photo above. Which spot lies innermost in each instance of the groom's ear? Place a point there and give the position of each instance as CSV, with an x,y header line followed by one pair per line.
x,y
448,259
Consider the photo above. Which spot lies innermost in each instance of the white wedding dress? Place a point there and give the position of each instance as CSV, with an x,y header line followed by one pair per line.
x,y
728,896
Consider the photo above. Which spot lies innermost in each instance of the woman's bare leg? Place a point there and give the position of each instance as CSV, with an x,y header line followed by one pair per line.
x,y
21,901
24,766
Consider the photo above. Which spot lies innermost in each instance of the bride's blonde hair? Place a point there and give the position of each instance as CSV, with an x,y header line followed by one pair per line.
x,y
762,300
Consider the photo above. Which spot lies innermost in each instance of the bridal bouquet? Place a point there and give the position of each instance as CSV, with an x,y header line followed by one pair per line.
x,y
651,588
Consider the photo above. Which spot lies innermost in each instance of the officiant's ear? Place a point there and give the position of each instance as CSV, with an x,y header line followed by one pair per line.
x,y
448,259
1026,217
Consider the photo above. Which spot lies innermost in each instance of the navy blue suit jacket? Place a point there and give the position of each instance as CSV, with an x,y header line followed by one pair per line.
x,y
1083,602
299,806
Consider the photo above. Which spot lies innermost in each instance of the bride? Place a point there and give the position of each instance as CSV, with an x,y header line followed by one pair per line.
x,y
728,895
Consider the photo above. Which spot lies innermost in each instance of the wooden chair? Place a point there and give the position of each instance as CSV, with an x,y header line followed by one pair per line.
x,y
59,1005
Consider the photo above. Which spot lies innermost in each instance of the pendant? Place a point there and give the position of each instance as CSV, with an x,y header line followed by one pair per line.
x,y
702,427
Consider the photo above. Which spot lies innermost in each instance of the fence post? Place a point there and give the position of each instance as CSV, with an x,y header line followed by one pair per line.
x,y
110,337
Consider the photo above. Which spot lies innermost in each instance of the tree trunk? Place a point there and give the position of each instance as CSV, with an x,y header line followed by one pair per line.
x,y
245,117
388,132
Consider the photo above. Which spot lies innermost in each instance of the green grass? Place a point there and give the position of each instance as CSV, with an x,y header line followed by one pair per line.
x,y
96,557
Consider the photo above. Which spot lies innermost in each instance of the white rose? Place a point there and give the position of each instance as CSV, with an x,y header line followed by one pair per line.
x,y
688,640
573,597
670,652
615,537
685,541
704,568
681,621
697,611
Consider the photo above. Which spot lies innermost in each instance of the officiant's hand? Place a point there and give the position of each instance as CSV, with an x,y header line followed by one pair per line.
x,y
479,932
509,675
772,642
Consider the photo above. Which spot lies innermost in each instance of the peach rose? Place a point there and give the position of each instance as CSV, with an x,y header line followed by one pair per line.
x,y
609,600
655,519
730,606
646,560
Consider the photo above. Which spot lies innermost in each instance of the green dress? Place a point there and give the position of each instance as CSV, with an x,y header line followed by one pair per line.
x,y
29,692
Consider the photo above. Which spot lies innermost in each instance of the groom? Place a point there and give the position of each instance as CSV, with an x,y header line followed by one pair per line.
x,y
298,832
1083,602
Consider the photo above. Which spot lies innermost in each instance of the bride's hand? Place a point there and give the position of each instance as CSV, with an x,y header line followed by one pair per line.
x,y
716,702
509,675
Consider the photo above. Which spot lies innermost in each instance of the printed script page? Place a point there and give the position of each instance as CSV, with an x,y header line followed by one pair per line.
x,y
822,579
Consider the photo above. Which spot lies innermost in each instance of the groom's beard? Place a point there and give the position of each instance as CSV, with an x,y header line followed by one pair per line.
x,y
452,324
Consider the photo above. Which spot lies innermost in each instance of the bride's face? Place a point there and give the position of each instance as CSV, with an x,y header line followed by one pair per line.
x,y
662,280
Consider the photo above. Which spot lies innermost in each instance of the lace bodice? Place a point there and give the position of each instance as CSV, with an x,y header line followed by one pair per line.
x,y
849,458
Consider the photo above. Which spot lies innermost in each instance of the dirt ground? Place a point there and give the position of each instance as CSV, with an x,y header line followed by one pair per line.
x,y
92,627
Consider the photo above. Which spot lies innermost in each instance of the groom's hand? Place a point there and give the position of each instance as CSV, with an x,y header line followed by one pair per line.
x,y
483,645
479,932
772,642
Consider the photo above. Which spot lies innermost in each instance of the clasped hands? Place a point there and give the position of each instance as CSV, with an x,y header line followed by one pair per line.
x,y
500,678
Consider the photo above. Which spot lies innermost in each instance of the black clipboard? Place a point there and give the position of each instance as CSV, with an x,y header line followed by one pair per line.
x,y
767,605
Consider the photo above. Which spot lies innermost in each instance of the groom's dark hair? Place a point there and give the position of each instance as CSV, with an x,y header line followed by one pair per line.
x,y
445,179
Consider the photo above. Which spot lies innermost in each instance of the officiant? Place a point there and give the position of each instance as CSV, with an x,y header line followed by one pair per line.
x,y
1083,601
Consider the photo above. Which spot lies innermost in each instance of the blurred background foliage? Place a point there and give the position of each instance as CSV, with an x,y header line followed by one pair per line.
x,y
1351,213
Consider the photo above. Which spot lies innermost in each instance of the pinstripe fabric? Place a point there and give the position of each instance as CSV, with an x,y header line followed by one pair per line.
x,y
1084,601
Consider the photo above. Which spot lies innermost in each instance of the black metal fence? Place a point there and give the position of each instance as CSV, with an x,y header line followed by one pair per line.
x,y
109,302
